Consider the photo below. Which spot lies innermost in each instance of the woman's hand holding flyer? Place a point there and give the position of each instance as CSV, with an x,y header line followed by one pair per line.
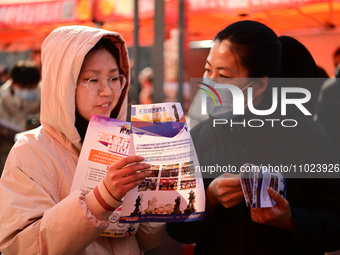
x,y
125,174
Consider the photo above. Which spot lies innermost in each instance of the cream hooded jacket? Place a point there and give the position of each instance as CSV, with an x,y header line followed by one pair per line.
x,y
38,215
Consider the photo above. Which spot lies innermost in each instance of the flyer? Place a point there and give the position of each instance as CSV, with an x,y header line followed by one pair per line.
x,y
255,182
174,192
107,140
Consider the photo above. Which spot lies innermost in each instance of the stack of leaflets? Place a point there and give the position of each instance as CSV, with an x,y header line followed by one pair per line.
x,y
255,182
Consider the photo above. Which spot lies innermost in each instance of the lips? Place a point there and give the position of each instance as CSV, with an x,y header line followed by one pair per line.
x,y
104,105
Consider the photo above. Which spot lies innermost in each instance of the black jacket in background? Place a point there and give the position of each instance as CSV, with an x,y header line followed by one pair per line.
x,y
329,108
315,203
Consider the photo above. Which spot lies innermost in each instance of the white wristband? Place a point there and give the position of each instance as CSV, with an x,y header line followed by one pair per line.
x,y
109,199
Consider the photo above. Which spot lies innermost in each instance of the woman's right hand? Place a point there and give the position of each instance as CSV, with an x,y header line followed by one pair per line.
x,y
225,190
125,174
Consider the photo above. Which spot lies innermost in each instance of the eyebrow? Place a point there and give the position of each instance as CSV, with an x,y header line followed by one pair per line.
x,y
98,71
221,67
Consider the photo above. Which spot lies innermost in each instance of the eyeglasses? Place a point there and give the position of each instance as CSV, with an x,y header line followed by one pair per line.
x,y
96,84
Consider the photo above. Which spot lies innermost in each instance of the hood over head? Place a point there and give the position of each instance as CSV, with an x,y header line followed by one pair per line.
x,y
62,55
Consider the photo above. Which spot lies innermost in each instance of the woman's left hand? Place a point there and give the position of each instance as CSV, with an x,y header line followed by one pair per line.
x,y
278,216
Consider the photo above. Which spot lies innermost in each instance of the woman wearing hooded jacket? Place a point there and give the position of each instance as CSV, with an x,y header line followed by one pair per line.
x,y
84,71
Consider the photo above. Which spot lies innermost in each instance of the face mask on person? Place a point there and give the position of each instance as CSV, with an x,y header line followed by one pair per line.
x,y
224,111
26,94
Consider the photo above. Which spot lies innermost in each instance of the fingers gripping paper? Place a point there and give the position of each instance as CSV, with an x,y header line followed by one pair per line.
x,y
255,182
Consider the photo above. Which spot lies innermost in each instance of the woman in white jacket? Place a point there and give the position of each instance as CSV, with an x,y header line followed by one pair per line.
x,y
38,215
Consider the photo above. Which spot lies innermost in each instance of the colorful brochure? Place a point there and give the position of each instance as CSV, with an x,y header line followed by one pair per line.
x,y
255,182
107,140
174,192
158,132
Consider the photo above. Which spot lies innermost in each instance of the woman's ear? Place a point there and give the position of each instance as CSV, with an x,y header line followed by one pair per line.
x,y
260,85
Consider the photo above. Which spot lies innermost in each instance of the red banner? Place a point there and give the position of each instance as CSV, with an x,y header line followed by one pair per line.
x,y
223,5
112,10
48,12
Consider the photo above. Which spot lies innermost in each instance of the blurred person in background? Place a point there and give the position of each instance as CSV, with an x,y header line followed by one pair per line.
x,y
19,104
297,62
145,79
4,75
328,113
20,96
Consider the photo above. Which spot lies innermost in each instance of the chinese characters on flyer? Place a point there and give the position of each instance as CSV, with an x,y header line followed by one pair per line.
x,y
174,191
107,140
158,132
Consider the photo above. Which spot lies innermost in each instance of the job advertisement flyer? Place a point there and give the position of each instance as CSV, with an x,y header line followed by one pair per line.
x,y
174,192
107,140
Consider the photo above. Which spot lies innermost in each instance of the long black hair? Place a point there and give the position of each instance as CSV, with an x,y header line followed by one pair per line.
x,y
257,46
297,62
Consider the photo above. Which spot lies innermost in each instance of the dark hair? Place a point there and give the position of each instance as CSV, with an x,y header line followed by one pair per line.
x,y
25,74
106,43
296,59
257,46
336,52
322,72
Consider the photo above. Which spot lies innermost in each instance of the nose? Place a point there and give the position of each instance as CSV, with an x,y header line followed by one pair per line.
x,y
106,88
